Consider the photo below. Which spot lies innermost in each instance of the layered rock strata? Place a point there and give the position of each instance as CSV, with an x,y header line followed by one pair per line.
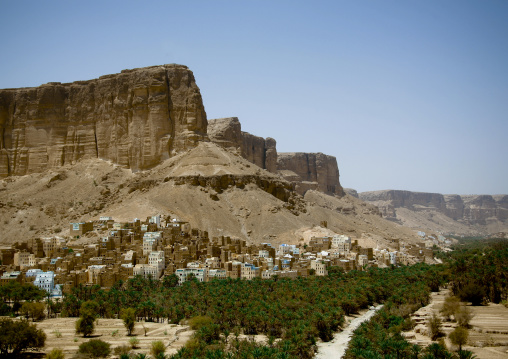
x,y
136,119
310,171
307,171
227,133
470,209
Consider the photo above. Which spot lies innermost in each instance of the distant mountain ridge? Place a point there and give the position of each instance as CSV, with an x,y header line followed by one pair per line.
x,y
463,214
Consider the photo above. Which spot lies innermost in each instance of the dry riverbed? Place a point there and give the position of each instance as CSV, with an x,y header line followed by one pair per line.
x,y
336,348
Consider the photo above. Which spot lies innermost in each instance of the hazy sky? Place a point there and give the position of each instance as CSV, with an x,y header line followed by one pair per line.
x,y
406,94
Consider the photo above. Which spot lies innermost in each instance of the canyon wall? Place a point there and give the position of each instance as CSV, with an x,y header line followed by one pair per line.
x,y
469,209
227,132
307,171
136,118
310,171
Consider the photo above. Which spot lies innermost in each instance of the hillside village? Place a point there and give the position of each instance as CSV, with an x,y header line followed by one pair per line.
x,y
166,248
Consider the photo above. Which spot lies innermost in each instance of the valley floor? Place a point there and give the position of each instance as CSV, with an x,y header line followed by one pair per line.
x,y
336,348
488,336
61,334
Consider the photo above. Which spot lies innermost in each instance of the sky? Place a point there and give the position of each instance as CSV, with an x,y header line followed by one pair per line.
x,y
408,95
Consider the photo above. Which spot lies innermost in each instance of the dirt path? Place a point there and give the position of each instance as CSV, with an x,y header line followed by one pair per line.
x,y
336,348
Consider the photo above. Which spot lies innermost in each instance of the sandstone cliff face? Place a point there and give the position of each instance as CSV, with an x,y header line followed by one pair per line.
x,y
136,119
310,171
307,171
227,132
470,209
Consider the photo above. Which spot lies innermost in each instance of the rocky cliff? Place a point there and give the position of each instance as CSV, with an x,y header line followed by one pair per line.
x,y
485,213
307,171
310,171
136,118
227,132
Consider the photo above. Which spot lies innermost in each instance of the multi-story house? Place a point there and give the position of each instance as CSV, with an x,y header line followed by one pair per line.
x,y
319,267
24,259
46,281
156,259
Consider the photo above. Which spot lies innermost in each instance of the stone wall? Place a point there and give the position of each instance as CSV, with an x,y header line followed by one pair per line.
x,y
136,118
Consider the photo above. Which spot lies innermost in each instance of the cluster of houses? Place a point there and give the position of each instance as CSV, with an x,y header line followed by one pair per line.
x,y
159,247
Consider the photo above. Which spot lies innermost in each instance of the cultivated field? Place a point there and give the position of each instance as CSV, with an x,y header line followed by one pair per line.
x,y
61,334
488,336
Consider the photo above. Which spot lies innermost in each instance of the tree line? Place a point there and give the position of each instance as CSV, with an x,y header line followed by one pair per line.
x,y
293,314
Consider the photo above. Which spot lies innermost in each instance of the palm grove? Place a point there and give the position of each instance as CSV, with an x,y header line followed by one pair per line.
x,y
293,314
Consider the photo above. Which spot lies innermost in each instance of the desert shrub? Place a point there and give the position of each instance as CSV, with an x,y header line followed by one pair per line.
x,y
134,342
34,310
128,316
199,321
450,307
157,348
86,323
434,326
464,316
459,337
96,348
122,349
55,354
18,336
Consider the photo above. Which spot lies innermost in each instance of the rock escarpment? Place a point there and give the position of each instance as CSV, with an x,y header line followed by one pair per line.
x,y
310,171
227,133
307,171
136,118
483,210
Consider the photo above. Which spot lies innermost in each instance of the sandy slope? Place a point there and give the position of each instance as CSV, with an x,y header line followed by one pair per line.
x,y
38,204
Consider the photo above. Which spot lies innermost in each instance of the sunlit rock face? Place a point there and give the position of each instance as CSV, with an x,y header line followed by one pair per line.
x,y
227,132
470,209
136,119
307,171
310,171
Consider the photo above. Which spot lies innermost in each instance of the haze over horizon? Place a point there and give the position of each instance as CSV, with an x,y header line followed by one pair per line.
x,y
407,95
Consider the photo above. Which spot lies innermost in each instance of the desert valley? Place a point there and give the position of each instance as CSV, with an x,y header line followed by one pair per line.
x,y
118,195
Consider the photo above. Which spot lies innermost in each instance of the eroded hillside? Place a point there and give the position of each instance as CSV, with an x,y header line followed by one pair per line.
x,y
212,188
